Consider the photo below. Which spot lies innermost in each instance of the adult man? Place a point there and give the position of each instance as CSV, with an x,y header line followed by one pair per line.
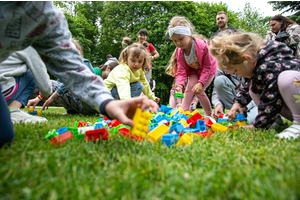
x,y
227,85
110,59
222,20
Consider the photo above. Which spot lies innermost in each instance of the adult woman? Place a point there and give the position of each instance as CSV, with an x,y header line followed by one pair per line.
x,y
143,35
285,30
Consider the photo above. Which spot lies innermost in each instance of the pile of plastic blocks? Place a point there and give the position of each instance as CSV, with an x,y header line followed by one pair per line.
x,y
169,126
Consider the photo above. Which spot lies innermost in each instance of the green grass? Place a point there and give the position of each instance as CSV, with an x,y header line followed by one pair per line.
x,y
239,164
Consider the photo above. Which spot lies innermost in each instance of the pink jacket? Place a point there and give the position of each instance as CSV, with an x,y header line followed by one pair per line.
x,y
207,62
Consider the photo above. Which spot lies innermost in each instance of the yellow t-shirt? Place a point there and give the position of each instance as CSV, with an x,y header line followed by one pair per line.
x,y
121,77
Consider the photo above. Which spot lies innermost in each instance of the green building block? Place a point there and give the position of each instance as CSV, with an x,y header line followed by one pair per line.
x,y
179,95
51,134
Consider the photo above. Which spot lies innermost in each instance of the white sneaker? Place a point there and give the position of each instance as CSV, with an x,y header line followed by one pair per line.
x,y
18,116
291,132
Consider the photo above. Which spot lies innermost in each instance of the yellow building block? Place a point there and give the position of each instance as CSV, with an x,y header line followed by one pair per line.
x,y
183,122
29,110
39,112
192,134
184,140
241,123
180,110
141,121
194,112
187,112
175,111
218,127
157,133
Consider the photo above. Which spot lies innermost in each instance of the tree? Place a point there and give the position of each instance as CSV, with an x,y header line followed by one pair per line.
x,y
251,20
287,6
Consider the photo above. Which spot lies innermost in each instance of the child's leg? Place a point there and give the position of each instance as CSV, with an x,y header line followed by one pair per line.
x,y
289,87
172,99
188,93
26,86
7,128
203,99
136,89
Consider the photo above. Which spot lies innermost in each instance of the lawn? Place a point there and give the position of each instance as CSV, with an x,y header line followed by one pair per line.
x,y
239,164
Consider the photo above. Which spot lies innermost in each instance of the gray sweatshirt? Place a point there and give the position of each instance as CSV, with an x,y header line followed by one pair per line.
x,y
41,25
17,64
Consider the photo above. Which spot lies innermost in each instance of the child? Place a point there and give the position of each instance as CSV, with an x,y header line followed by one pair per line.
x,y
104,70
128,79
45,28
274,75
193,63
172,71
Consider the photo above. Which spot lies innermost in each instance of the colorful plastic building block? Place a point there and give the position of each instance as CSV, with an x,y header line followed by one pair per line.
x,y
200,125
141,121
184,140
240,117
179,95
114,123
241,123
170,139
218,127
165,108
177,128
82,130
157,133
62,130
183,122
33,113
61,139
220,120
194,118
51,134
95,135
208,122
29,110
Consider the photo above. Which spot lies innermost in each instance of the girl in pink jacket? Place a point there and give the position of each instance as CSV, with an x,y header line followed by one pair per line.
x,y
194,63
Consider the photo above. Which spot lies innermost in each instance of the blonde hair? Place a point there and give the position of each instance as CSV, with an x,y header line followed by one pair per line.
x,y
228,48
137,50
182,21
172,65
125,42
78,46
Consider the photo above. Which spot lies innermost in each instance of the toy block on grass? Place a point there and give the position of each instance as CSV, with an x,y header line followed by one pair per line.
x,y
220,120
193,119
241,123
30,110
200,125
208,122
98,134
141,121
177,128
205,133
165,108
157,133
124,131
83,124
62,130
170,139
51,134
33,113
184,140
195,112
61,139
239,117
187,113
179,95
218,127
114,123
183,122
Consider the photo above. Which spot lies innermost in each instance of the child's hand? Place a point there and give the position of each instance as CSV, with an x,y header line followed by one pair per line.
x,y
218,109
179,89
157,100
48,103
249,126
197,88
236,108
33,102
193,106
124,110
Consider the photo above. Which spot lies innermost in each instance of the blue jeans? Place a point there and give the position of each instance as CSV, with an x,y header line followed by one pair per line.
x,y
136,89
7,128
26,87
148,74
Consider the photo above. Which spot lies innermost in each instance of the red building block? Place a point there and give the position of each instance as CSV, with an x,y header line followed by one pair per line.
x,y
205,133
82,124
208,122
60,139
114,123
95,135
193,119
124,131
105,118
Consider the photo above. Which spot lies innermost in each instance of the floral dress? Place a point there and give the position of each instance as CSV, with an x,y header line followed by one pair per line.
x,y
272,59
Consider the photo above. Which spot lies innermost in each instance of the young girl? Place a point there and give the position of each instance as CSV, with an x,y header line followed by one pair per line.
x,y
274,75
193,63
172,71
128,79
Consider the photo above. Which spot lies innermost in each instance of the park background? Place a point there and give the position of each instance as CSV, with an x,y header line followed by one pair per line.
x,y
100,27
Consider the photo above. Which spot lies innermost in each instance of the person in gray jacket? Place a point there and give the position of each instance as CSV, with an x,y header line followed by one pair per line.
x,y
225,88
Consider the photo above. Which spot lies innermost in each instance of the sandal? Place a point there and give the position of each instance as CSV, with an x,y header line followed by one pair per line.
x,y
291,132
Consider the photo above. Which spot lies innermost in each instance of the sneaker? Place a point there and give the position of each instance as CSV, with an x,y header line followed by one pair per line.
x,y
18,116
291,132
279,123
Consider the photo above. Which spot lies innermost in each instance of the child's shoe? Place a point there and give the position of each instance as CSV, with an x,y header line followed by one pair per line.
x,y
18,116
291,132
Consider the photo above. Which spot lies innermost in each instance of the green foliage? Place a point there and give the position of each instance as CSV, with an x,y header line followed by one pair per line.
x,y
288,6
251,20
240,164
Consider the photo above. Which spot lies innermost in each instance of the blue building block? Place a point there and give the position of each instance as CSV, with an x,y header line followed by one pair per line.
x,y
99,125
153,127
165,109
62,130
220,120
169,112
177,128
191,130
157,118
200,125
184,117
240,117
33,113
170,139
